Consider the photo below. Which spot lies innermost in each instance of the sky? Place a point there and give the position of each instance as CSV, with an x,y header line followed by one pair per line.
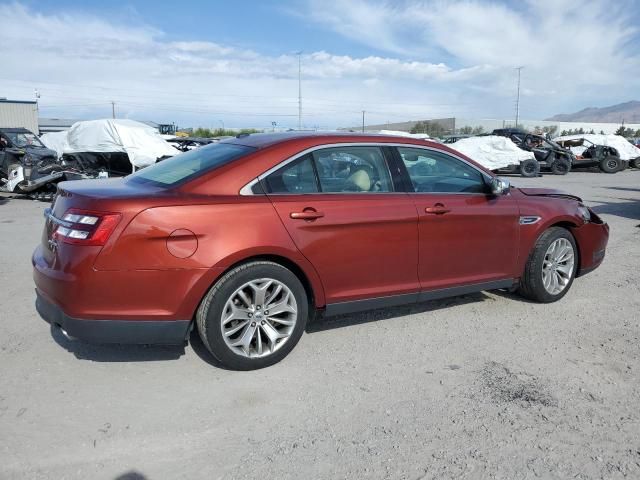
x,y
235,64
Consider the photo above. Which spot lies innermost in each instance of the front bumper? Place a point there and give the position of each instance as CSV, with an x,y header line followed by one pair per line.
x,y
163,332
592,239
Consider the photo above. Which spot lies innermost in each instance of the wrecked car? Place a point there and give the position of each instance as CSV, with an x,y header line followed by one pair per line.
x,y
27,165
184,144
610,153
499,154
549,154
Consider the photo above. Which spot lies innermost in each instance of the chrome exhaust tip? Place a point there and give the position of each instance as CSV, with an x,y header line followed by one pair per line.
x,y
66,334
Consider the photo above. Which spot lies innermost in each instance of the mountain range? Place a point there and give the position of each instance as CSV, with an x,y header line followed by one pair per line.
x,y
628,112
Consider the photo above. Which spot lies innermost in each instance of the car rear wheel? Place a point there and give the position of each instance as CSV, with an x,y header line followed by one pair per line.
x,y
635,163
530,168
551,267
560,166
253,316
610,164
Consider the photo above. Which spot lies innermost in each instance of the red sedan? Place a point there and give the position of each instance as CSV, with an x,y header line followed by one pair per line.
x,y
245,239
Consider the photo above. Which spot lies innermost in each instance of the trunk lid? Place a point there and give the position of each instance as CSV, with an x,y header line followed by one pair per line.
x,y
100,195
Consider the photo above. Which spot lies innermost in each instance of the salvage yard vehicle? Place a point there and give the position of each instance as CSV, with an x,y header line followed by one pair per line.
x,y
549,154
26,165
498,154
184,144
246,239
592,155
113,147
611,153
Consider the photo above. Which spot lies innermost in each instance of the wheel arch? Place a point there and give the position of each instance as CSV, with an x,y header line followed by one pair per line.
x,y
300,267
530,239
298,271
569,226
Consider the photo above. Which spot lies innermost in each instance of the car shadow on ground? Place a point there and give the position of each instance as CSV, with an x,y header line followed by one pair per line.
x,y
147,353
624,189
117,353
628,208
321,323
132,475
195,342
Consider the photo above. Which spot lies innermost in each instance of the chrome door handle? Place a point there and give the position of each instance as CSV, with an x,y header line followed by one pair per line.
x,y
437,209
306,215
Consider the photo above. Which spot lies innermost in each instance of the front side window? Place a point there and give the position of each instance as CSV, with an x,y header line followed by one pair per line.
x,y
192,164
352,169
436,172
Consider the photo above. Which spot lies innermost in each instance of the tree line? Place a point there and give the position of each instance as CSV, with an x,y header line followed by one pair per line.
x,y
220,132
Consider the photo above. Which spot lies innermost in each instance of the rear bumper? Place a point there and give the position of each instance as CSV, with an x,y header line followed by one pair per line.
x,y
164,332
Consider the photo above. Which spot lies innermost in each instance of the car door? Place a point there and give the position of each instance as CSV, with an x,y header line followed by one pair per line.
x,y
466,235
344,212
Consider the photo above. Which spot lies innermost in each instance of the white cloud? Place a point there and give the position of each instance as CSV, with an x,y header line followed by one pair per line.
x,y
452,58
570,48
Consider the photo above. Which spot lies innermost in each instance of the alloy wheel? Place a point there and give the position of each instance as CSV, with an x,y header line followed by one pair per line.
x,y
557,267
259,317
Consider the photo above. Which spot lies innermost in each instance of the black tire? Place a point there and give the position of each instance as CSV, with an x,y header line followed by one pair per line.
x,y
610,164
561,166
530,168
209,314
635,163
531,285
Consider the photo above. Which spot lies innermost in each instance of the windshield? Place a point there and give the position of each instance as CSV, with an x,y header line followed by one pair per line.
x,y
22,140
188,165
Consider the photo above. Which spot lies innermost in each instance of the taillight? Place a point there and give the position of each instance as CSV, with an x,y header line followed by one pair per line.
x,y
83,227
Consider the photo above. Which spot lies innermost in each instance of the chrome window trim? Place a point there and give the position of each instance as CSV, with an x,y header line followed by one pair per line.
x,y
246,190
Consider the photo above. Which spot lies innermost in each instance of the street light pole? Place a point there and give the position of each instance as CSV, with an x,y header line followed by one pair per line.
x,y
519,69
299,89
362,121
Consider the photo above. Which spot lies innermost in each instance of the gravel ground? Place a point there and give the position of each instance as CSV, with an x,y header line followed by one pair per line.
x,y
480,386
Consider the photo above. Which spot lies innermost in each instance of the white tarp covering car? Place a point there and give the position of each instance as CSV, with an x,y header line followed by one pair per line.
x,y
625,150
142,143
56,141
492,151
399,133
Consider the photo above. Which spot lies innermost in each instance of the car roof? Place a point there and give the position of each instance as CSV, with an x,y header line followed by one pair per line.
x,y
263,140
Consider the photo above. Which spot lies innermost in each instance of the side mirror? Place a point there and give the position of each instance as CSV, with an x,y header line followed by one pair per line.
x,y
500,186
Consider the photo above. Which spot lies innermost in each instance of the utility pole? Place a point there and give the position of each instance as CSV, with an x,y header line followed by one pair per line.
x,y
519,69
113,109
362,121
299,89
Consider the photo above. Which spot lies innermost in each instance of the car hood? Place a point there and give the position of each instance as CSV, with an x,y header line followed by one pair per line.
x,y
548,192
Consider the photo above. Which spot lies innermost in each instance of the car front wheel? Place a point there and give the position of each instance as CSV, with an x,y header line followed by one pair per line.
x,y
253,316
551,266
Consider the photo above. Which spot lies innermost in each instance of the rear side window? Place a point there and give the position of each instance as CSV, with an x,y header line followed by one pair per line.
x,y
352,169
334,170
297,177
436,172
192,164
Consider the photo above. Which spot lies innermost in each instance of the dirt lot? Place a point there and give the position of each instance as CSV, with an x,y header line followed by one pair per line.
x,y
480,386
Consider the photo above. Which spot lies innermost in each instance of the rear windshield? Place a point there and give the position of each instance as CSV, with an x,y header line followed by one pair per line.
x,y
188,165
